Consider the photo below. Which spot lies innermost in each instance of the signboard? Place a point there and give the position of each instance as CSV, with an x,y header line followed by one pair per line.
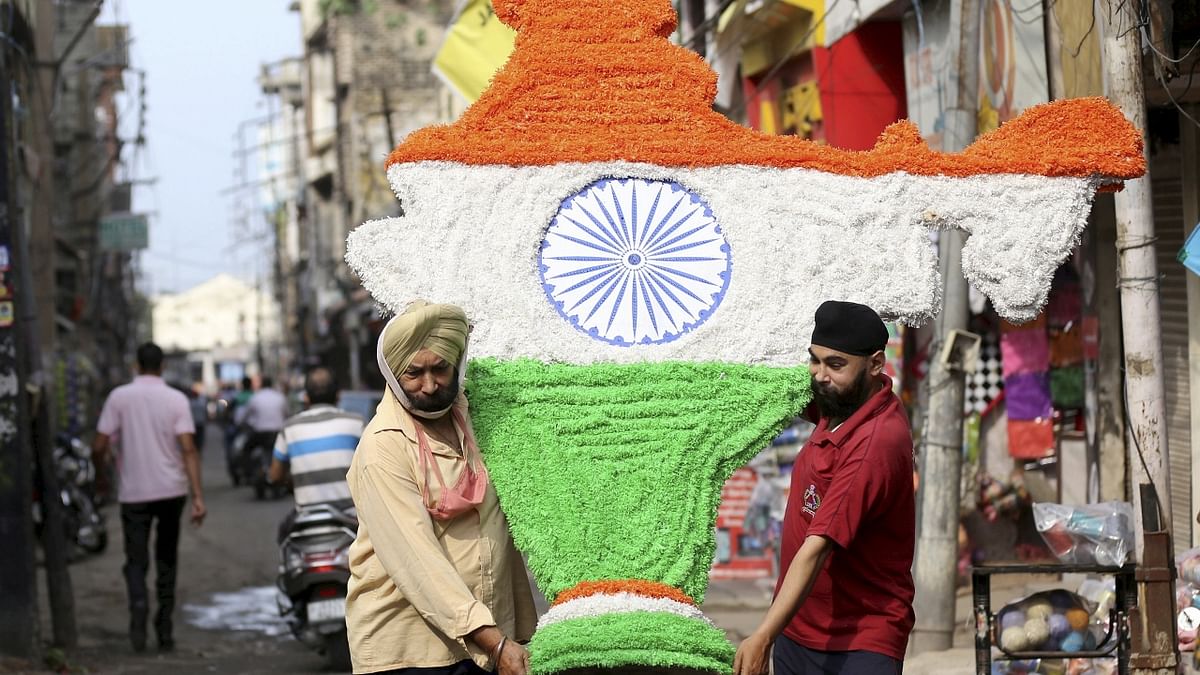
x,y
1012,65
476,45
124,232
1189,255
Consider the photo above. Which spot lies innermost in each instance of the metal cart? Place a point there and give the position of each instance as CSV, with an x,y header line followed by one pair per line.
x,y
1115,641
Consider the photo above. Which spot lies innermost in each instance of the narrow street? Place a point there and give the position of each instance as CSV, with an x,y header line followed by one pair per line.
x,y
226,576
227,620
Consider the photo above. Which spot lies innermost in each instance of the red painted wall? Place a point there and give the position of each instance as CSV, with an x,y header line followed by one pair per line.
x,y
861,81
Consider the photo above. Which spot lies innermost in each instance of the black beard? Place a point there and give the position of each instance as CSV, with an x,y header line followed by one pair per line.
x,y
444,398
840,406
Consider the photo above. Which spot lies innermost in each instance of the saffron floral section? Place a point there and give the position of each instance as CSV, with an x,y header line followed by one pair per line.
x,y
589,82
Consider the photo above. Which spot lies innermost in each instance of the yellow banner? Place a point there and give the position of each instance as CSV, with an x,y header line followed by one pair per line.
x,y
476,45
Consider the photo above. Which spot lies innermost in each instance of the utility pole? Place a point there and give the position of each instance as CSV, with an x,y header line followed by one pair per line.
x,y
18,574
36,301
1152,623
1138,282
940,460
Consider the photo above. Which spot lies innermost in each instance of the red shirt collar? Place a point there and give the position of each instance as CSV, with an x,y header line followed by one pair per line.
x,y
874,405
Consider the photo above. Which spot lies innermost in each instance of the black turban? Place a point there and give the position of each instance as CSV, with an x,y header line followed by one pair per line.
x,y
850,328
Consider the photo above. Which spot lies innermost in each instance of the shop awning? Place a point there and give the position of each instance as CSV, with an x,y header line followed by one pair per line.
x,y
843,16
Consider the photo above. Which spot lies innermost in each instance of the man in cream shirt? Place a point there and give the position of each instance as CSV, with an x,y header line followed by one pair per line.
x,y
436,585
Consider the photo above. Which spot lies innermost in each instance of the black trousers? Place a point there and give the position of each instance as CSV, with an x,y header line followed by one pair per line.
x,y
460,668
136,521
793,658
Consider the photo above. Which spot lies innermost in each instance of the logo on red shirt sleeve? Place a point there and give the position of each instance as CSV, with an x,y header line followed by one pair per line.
x,y
812,500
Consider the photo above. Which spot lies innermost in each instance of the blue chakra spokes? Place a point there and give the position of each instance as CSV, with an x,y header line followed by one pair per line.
x,y
635,261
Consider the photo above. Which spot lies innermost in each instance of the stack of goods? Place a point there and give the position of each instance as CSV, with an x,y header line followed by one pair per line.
x,y
1064,316
1001,500
1094,533
1187,595
1051,621
1057,621
1025,360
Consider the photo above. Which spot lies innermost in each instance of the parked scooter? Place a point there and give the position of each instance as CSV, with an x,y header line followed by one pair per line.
x,y
313,572
82,523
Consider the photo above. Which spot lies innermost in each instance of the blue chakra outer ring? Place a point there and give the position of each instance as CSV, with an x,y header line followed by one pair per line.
x,y
632,261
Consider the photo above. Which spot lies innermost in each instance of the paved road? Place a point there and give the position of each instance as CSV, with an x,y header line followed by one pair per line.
x,y
227,569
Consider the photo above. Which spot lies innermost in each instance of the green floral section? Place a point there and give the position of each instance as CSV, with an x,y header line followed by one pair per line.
x,y
615,471
650,639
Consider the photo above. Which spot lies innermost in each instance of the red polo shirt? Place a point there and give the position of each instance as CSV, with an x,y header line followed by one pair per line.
x,y
854,486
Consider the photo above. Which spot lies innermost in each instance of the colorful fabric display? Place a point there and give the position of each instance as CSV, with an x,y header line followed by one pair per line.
x,y
1030,439
1038,323
1065,305
1024,351
1066,347
1067,387
1028,396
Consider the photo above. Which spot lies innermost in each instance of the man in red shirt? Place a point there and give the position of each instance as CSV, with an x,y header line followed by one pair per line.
x,y
844,604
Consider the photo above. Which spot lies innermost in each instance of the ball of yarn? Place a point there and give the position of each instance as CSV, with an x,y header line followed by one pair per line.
x,y
1039,609
1089,640
1062,601
1190,570
1037,630
1073,642
1013,617
1078,618
1187,638
1059,626
1013,639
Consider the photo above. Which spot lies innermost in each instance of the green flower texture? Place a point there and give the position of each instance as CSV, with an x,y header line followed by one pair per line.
x,y
614,472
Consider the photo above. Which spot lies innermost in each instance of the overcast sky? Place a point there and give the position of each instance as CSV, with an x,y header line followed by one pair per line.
x,y
201,62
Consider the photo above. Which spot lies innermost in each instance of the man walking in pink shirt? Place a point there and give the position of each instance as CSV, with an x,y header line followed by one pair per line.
x,y
150,426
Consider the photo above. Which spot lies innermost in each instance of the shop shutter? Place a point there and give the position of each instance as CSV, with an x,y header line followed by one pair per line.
x,y
1167,193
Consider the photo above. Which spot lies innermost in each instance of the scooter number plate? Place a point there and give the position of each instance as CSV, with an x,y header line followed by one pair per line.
x,y
327,610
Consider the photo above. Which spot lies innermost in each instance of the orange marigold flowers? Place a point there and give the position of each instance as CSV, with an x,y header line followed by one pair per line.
x,y
648,589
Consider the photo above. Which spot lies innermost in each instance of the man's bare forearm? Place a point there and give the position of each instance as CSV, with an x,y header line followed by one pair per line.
x,y
797,584
191,465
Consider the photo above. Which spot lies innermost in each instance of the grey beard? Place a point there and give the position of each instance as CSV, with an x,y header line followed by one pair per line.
x,y
439,402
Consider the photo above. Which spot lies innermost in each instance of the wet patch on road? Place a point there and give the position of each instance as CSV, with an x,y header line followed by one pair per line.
x,y
250,609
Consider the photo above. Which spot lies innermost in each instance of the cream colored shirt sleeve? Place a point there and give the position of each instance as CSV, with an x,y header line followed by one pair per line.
x,y
389,503
525,614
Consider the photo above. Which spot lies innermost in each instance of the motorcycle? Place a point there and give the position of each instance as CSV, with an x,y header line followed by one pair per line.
x,y
251,464
313,572
82,523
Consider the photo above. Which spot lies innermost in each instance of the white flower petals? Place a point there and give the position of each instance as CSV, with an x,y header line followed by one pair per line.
x,y
797,237
616,603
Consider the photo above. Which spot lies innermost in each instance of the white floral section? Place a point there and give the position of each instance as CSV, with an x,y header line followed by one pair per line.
x,y
471,236
614,603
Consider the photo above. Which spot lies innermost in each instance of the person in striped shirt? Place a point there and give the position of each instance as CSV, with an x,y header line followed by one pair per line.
x,y
316,447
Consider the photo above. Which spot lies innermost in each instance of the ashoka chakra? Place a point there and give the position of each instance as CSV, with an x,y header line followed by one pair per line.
x,y
633,261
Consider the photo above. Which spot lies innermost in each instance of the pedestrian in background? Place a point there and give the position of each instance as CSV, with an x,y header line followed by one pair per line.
x,y
844,602
198,401
436,585
316,447
148,425
264,414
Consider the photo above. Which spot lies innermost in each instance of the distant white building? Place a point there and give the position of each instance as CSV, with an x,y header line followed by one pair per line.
x,y
220,325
